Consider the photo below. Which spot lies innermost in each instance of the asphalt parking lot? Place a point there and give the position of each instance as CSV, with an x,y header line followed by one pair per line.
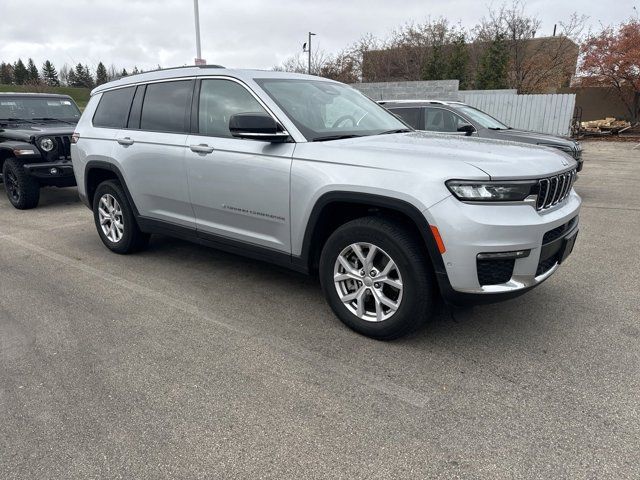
x,y
185,362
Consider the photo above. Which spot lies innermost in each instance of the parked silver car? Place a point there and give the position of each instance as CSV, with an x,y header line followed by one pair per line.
x,y
461,119
310,174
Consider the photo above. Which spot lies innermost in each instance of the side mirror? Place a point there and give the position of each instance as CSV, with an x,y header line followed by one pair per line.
x,y
256,126
467,129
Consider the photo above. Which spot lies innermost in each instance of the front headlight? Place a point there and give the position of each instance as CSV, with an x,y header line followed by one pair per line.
x,y
46,144
481,191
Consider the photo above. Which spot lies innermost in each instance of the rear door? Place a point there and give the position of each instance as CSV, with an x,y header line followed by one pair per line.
x,y
151,151
239,187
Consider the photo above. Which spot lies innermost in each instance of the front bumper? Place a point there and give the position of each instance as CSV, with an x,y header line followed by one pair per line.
x,y
58,173
468,230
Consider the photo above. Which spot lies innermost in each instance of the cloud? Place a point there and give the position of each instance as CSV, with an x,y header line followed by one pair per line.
x,y
248,33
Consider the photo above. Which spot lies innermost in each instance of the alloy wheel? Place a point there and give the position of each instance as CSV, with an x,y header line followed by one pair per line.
x,y
368,282
12,186
110,216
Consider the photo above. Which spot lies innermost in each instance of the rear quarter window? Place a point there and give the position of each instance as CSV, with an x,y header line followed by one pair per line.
x,y
113,109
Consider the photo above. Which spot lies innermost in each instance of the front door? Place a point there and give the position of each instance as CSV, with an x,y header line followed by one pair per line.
x,y
239,188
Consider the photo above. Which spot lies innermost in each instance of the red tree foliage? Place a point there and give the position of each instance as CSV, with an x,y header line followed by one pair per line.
x,y
612,58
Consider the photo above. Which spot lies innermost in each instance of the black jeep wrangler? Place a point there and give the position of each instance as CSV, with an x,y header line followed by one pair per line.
x,y
35,140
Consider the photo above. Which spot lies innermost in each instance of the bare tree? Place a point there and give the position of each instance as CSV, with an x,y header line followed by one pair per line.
x,y
536,64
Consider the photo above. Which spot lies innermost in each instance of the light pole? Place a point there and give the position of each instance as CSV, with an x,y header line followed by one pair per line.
x,y
196,12
307,48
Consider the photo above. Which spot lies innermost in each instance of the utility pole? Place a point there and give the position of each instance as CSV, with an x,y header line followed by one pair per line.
x,y
308,50
196,11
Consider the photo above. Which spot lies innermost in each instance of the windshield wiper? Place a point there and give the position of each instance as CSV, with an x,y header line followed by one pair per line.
x,y
397,130
51,119
498,128
334,137
13,119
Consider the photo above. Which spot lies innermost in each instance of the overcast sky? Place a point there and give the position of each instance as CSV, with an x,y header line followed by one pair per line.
x,y
240,33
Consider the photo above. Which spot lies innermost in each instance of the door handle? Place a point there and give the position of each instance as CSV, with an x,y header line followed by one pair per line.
x,y
125,141
202,148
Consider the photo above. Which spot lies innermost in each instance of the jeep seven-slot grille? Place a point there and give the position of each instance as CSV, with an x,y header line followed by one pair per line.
x,y
63,145
553,190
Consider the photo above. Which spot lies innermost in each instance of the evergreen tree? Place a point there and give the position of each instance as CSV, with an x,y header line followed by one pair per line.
x,y
89,82
435,68
81,77
20,73
124,73
135,71
6,73
34,75
49,74
492,73
458,60
101,74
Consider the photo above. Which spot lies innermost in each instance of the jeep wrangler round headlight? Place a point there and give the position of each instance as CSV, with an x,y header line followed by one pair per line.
x,y
46,144
480,191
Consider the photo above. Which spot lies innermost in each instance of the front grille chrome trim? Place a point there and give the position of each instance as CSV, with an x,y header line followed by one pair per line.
x,y
553,190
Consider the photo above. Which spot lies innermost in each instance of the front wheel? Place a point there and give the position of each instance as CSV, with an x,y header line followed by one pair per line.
x,y
22,190
115,221
377,278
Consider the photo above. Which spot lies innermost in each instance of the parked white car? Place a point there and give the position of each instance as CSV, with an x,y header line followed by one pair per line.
x,y
310,174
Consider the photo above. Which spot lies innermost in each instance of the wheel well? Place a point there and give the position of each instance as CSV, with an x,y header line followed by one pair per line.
x,y
95,177
4,154
337,213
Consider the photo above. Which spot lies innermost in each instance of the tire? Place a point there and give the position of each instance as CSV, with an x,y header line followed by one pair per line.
x,y
121,233
415,301
22,190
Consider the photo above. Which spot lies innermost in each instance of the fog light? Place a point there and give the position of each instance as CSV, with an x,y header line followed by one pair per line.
x,y
53,171
504,255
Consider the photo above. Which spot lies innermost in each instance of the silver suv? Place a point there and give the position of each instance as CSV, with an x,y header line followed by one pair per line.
x,y
310,174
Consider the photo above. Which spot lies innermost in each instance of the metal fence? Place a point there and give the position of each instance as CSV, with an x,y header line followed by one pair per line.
x,y
545,113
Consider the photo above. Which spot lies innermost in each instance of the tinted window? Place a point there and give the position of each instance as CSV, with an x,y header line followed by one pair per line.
x,y
113,109
165,106
219,100
441,120
409,115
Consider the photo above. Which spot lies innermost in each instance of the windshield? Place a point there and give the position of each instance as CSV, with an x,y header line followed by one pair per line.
x,y
484,119
328,111
30,108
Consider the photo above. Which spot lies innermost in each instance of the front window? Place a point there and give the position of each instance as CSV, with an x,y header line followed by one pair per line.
x,y
441,120
38,108
482,118
326,111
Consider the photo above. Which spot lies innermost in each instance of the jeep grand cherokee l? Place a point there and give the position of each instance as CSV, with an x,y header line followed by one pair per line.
x,y
310,174
35,139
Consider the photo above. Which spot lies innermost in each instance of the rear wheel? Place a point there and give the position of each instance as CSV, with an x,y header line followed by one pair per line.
x,y
115,221
376,278
22,190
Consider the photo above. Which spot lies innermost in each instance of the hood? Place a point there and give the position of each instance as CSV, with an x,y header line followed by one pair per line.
x,y
454,154
25,131
535,137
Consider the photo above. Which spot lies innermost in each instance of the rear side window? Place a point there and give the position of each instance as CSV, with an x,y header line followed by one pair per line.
x,y
411,116
165,106
113,109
